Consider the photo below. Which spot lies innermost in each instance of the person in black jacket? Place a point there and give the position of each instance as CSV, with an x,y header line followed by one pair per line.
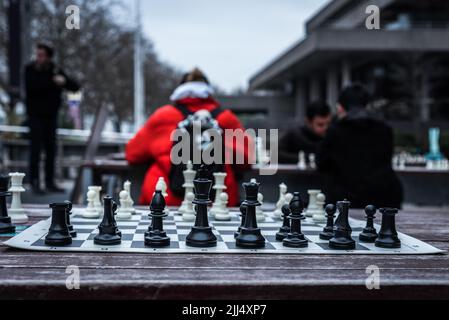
x,y
44,83
307,137
355,156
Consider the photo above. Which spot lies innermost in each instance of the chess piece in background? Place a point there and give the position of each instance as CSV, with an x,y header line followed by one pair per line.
x,y
201,235
189,176
223,213
125,211
219,188
342,239
319,215
312,207
97,201
302,165
188,214
59,233
127,188
109,234
369,233
69,224
328,231
260,215
5,221
157,237
250,236
162,185
16,211
280,203
388,236
296,239
91,212
242,220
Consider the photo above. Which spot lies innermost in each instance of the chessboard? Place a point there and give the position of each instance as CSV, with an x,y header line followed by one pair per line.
x,y
133,238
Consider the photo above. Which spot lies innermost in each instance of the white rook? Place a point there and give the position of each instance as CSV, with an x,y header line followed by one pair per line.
x,y
16,212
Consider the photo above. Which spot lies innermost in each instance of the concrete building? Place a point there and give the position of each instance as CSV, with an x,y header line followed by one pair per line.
x,y
404,63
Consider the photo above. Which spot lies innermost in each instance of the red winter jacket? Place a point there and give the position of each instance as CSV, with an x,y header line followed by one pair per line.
x,y
152,144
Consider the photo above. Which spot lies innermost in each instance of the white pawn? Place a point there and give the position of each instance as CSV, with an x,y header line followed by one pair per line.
x,y
91,211
223,214
16,212
219,187
162,186
125,210
319,215
189,213
302,165
260,216
189,176
312,207
97,201
281,201
127,188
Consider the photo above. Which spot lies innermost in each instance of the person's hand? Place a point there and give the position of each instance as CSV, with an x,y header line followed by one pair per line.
x,y
59,80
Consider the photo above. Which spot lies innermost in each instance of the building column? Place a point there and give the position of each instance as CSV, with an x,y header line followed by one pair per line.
x,y
300,100
332,89
314,93
346,73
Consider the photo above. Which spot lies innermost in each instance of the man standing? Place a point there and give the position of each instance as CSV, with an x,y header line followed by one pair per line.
x,y
305,138
355,156
44,83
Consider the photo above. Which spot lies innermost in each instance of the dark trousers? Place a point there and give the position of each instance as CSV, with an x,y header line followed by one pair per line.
x,y
42,136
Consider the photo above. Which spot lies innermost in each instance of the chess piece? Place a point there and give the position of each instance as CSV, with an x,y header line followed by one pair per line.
x,y
328,231
302,165
5,221
125,210
219,188
157,237
97,202
242,209
223,212
201,235
69,224
189,176
91,211
162,185
318,215
280,203
59,233
188,214
109,234
388,236
369,234
16,211
260,215
296,239
250,236
127,188
312,161
312,207
342,239
285,229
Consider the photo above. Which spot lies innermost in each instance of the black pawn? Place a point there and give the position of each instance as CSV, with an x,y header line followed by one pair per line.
x,y
109,234
328,231
69,224
342,239
5,221
201,235
157,237
369,234
388,236
242,222
296,239
250,236
58,234
285,229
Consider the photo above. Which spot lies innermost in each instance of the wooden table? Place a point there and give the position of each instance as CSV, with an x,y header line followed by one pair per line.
x,y
35,275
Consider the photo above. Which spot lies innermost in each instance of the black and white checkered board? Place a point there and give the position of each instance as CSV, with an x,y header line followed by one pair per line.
x,y
133,238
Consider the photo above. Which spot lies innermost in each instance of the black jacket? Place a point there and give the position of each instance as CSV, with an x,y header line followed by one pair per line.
x,y
295,140
43,96
355,160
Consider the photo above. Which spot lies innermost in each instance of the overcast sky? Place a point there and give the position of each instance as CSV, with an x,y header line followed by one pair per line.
x,y
229,39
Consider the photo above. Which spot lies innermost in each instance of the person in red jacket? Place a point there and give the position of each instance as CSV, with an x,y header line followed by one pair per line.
x,y
152,143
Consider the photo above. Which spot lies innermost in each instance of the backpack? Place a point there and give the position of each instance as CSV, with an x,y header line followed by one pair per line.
x,y
176,177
